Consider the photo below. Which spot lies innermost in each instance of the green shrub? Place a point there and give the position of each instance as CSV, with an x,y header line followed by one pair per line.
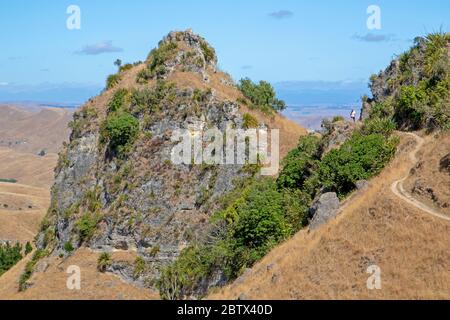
x,y
250,121
103,261
383,110
125,67
436,55
68,247
8,180
359,158
82,120
154,251
119,100
255,223
28,248
383,126
338,119
29,268
182,278
112,81
410,106
208,52
49,236
155,62
201,96
139,267
144,75
150,100
161,54
258,222
299,164
9,256
87,225
91,200
120,130
296,204
203,196
261,95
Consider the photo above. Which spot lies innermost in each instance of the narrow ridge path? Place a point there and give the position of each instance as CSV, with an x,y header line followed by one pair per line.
x,y
398,189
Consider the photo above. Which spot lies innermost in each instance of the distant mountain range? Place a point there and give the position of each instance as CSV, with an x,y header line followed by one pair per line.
x,y
308,101
298,93
322,93
66,94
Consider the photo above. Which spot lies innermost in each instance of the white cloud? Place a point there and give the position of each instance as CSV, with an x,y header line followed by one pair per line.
x,y
371,37
99,48
281,14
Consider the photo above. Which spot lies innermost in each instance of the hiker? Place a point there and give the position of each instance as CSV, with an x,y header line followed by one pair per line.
x,y
353,115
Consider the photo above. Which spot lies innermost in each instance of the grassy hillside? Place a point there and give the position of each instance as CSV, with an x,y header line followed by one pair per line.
x,y
264,212
374,228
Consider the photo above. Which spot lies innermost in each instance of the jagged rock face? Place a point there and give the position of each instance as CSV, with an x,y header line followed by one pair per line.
x,y
141,201
366,109
162,208
338,133
196,44
425,65
184,51
324,209
380,86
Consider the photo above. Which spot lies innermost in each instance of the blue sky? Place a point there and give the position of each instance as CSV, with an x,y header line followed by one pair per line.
x,y
279,41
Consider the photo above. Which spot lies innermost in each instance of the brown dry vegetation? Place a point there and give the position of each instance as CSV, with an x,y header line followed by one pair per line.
x,y
32,131
24,204
50,281
411,247
22,209
27,169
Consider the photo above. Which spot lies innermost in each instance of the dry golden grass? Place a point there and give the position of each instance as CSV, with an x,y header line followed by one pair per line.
x,y
34,130
411,247
28,169
21,210
50,282
24,204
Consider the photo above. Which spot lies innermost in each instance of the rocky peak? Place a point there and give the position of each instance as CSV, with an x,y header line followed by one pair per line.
x,y
134,198
182,51
193,42
116,186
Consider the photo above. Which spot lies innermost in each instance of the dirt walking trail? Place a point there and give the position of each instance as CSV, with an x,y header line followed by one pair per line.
x,y
398,189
